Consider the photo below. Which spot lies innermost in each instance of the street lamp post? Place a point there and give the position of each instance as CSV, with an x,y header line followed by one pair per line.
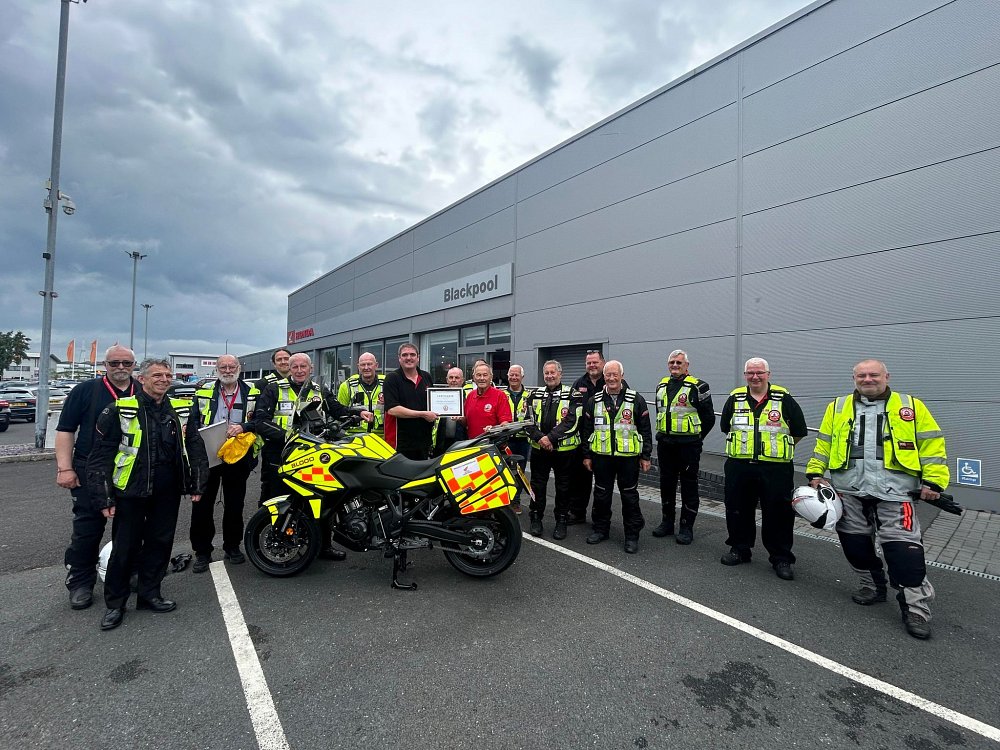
x,y
51,205
136,256
145,331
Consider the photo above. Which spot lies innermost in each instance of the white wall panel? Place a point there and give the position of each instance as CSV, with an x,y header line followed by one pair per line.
x,y
475,208
388,276
489,233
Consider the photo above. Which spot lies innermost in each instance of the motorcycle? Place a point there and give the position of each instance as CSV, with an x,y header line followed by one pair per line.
x,y
373,499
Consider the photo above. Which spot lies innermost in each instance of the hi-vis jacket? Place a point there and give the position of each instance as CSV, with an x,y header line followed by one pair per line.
x,y
121,463
555,414
766,437
352,391
912,442
617,429
208,405
519,410
681,417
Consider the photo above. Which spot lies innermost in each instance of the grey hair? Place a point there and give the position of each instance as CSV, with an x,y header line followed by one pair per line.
x,y
149,362
757,359
407,345
301,354
483,364
611,362
107,353
521,369
677,353
553,362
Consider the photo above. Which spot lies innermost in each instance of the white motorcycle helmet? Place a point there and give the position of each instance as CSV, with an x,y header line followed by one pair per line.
x,y
821,507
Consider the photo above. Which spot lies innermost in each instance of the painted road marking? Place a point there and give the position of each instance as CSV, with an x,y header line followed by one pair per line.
x,y
266,724
966,722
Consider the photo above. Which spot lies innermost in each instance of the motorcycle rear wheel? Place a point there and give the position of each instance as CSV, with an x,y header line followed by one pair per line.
x,y
506,533
282,555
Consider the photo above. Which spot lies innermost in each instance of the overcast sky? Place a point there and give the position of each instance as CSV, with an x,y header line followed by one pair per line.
x,y
249,147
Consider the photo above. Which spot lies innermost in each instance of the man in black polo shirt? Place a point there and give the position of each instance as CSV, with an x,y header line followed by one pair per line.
x,y
409,427
74,440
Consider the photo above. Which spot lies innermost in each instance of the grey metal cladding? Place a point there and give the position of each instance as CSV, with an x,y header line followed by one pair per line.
x,y
334,299
490,309
699,200
956,39
688,258
460,268
894,287
304,310
940,202
491,232
646,361
693,148
396,275
383,255
823,33
957,118
476,207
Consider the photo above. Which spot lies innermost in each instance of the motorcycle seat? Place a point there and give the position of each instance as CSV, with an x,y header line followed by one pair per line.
x,y
401,467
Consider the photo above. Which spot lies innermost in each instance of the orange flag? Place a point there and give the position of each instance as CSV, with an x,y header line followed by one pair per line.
x,y
71,350
93,352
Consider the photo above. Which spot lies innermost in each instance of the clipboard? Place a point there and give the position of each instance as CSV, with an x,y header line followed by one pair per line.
x,y
214,436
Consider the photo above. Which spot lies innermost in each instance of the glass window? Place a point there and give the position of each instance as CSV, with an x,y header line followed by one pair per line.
x,y
345,366
500,332
391,353
325,372
442,353
474,336
373,347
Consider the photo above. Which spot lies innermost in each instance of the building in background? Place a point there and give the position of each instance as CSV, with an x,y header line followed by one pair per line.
x,y
821,193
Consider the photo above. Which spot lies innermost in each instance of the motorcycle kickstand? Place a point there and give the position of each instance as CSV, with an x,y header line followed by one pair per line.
x,y
399,564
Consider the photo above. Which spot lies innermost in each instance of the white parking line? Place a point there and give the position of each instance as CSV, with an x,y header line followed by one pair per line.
x,y
266,724
966,722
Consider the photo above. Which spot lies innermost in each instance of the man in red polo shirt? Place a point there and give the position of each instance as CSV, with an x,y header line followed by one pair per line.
x,y
487,405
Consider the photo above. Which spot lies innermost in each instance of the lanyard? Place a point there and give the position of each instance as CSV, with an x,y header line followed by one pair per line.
x,y
229,403
114,392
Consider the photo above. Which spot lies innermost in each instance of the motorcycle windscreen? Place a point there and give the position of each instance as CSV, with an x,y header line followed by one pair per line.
x,y
478,483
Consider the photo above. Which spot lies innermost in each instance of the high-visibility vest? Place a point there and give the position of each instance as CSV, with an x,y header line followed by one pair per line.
x,y
128,449
206,395
618,436
678,416
519,411
764,438
538,396
286,395
912,443
372,401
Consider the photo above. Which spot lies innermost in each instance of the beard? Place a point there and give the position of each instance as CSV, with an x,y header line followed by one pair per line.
x,y
228,379
119,378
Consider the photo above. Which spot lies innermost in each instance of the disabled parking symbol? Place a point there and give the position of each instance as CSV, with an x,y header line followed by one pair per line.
x,y
970,471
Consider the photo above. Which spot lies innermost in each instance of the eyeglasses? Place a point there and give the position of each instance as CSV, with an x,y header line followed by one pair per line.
x,y
120,363
756,374
227,368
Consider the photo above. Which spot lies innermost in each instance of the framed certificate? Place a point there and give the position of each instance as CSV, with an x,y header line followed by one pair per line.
x,y
446,402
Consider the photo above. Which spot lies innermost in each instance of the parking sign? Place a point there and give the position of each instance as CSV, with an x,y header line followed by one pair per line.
x,y
970,471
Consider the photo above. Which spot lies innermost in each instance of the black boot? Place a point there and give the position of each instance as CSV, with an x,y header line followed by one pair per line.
x,y
666,528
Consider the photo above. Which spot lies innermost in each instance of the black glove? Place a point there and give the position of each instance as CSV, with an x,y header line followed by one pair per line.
x,y
945,502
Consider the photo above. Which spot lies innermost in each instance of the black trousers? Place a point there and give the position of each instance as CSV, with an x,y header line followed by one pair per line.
x,y
143,535
233,480
270,483
559,464
679,461
624,469
88,531
581,484
771,485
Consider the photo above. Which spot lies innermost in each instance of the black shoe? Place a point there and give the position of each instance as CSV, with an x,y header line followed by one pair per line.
x,y
574,518
535,529
631,546
332,553
201,562
235,557
866,596
156,604
685,535
596,537
916,625
784,571
666,528
112,618
559,532
734,557
81,598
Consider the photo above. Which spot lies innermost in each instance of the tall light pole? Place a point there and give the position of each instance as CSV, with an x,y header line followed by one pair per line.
x,y
51,205
145,332
136,256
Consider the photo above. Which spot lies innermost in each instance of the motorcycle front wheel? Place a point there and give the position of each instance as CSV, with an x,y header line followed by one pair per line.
x,y
501,533
284,548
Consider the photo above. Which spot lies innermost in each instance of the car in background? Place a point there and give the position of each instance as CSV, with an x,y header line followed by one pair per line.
x,y
24,400
4,415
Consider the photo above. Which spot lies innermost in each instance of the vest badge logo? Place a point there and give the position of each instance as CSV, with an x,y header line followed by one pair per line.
x,y
682,400
487,407
774,416
627,416
906,414
564,411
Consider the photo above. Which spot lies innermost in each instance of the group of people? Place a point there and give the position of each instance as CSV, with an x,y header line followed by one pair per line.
x,y
128,452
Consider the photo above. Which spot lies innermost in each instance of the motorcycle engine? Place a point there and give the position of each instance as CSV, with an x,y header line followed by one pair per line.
x,y
355,520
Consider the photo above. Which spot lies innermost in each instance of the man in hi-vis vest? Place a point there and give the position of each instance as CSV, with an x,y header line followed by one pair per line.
x,y
762,423
879,446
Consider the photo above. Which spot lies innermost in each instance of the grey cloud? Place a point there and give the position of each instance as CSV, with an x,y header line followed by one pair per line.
x,y
536,64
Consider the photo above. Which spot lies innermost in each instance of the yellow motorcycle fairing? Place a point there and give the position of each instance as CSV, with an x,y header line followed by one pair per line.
x,y
477,479
309,465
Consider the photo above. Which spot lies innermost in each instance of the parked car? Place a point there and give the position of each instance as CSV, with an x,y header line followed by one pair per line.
x,y
23,401
4,415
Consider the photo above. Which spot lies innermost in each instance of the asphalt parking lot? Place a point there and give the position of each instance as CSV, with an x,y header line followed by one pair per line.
x,y
574,646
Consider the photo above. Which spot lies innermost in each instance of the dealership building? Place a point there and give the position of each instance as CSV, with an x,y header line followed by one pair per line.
x,y
823,192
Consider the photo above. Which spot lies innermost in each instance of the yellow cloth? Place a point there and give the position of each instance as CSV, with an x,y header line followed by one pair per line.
x,y
236,448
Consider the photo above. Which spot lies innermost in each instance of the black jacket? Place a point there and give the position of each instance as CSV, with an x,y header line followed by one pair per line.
x,y
192,469
262,421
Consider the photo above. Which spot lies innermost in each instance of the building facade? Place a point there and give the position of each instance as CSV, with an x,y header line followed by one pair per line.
x,y
822,193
